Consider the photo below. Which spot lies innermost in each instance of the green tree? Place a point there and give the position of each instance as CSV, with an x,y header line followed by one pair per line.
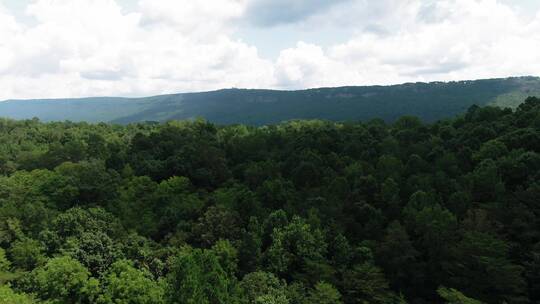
x,y
481,268
95,250
5,264
275,193
78,224
136,204
27,253
196,276
217,223
8,296
486,182
64,280
178,205
399,259
263,287
250,251
124,284
390,198
293,246
452,296
492,149
324,293
365,283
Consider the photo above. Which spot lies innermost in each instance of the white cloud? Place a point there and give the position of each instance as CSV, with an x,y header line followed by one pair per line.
x,y
200,19
447,40
90,47
8,31
93,47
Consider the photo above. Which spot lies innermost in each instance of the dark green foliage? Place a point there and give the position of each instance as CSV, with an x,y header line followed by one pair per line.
x,y
324,293
26,253
482,269
197,276
296,213
365,283
263,287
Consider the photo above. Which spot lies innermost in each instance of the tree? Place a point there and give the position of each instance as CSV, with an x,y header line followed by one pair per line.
x,y
365,283
293,246
389,167
8,296
263,287
240,199
227,256
26,254
250,252
136,204
217,223
177,206
64,280
77,222
434,229
324,293
306,174
341,252
492,149
452,296
10,231
486,182
124,284
275,193
275,220
390,198
196,276
400,260
5,264
482,269
96,251
95,184
532,273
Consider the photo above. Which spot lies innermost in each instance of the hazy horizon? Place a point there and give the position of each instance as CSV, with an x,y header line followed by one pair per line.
x,y
268,89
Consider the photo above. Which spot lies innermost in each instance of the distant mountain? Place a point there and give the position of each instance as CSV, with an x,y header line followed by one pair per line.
x,y
429,101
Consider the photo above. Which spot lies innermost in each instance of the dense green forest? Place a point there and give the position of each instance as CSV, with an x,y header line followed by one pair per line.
x,y
428,101
303,212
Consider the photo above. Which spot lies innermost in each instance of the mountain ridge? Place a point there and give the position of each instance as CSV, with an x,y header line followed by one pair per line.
x,y
429,101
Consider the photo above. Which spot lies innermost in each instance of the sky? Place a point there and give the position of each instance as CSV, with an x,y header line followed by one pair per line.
x,y
80,48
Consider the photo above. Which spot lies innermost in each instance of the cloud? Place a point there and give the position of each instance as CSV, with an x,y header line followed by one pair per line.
x,y
199,19
446,40
308,65
94,47
90,47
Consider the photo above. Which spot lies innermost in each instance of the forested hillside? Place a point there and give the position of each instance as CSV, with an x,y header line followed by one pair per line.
x,y
428,101
303,212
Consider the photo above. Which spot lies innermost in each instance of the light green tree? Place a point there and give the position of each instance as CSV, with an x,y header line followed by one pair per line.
x,y
64,280
124,284
324,293
452,296
8,296
263,287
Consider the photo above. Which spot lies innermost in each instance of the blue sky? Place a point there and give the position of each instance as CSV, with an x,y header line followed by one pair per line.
x,y
67,48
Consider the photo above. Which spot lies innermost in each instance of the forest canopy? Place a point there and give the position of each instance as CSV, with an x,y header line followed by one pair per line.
x,y
300,212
